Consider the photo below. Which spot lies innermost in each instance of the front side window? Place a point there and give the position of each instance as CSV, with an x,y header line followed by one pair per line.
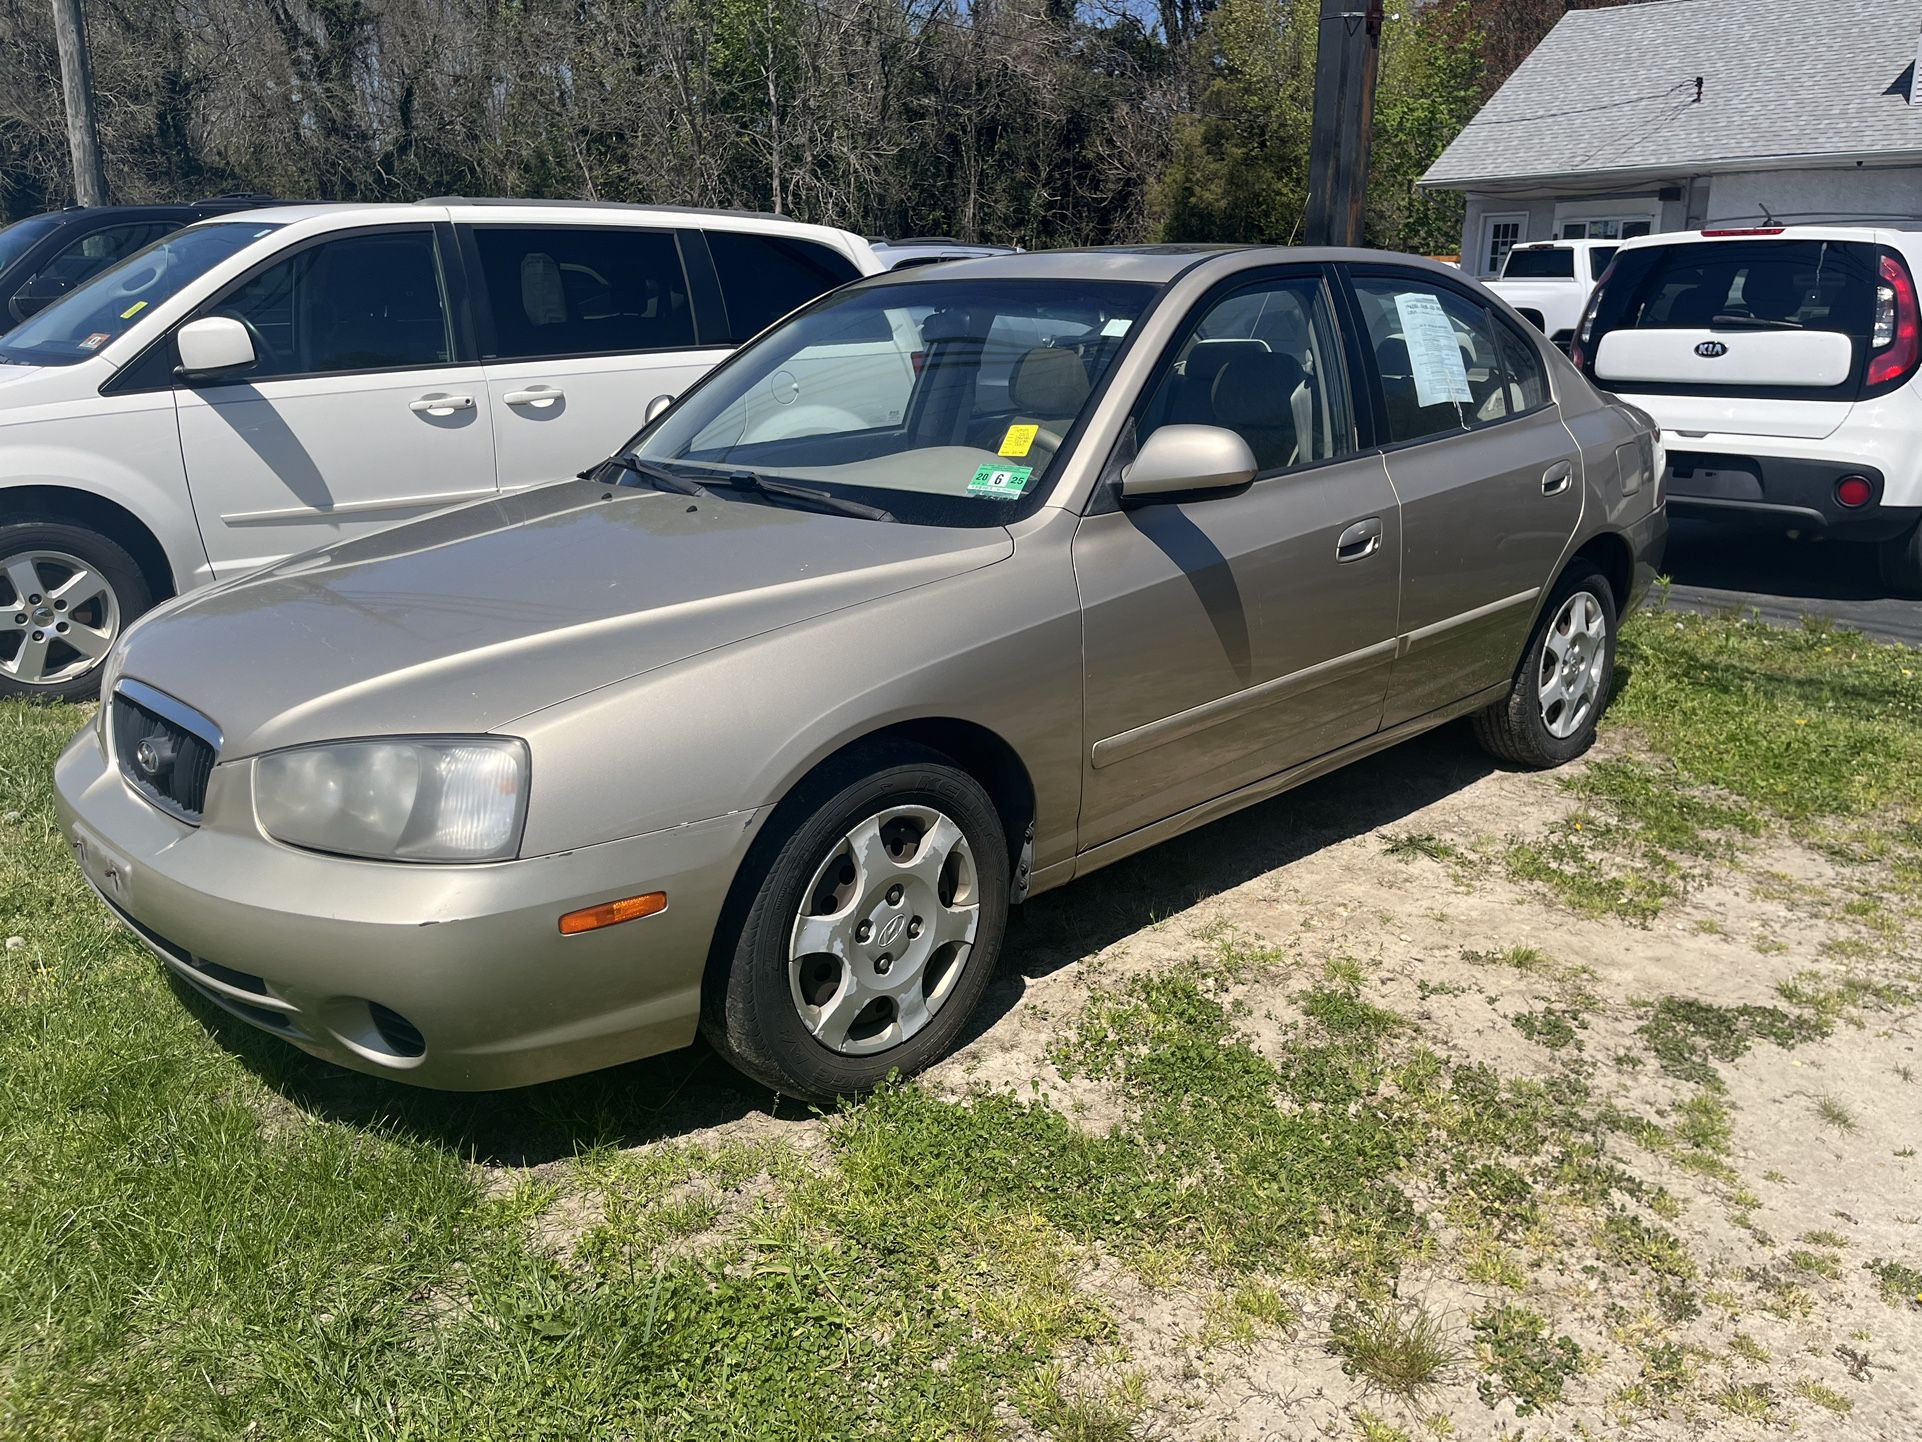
x,y
1262,363
763,277
945,402
1438,361
370,302
583,290
75,327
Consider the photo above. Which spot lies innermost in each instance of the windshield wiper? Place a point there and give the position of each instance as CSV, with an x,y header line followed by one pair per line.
x,y
787,490
663,478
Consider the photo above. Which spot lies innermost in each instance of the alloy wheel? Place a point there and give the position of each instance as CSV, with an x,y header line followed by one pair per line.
x,y
1573,654
884,930
58,617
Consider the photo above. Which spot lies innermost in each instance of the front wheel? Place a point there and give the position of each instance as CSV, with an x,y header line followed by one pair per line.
x,y
1548,716
65,595
874,931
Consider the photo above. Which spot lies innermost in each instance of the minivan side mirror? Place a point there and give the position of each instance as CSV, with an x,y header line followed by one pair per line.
x,y
1175,459
654,408
214,345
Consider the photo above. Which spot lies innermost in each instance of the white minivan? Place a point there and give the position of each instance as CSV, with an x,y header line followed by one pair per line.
x,y
266,383
1784,366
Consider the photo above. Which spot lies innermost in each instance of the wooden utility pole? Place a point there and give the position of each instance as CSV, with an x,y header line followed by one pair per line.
x,y
1347,48
76,80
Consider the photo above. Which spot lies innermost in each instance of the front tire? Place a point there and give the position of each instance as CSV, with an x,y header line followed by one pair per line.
x,y
66,593
873,931
1548,717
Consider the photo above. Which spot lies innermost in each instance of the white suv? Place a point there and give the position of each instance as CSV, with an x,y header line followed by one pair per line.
x,y
1782,366
267,383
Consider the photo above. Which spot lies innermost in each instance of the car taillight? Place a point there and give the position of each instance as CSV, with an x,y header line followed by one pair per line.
x,y
1585,328
1896,344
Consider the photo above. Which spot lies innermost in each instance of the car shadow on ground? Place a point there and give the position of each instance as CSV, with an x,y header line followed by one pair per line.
x,y
692,1090
1761,564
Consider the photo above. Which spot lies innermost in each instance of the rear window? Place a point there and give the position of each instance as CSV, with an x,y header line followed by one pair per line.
x,y
1548,263
763,277
1740,285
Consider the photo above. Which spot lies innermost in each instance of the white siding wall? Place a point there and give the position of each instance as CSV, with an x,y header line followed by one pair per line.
x,y
1801,196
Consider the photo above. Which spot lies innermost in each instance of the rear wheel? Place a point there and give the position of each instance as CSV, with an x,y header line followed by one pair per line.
x,y
1902,563
873,932
65,595
1549,715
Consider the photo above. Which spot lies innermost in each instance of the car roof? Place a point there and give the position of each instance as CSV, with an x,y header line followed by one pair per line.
x,y
394,210
1863,231
1146,264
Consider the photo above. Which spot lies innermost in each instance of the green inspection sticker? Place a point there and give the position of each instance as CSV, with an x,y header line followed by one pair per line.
x,y
1004,483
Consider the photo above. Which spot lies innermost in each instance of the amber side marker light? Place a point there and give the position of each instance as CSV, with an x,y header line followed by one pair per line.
x,y
613,913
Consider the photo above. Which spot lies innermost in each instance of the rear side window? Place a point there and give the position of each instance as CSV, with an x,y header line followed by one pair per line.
x,y
1758,285
369,302
1548,263
763,277
583,290
1444,363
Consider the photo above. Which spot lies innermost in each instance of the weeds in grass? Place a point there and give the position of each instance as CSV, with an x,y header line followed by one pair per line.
x,y
1398,1347
1410,844
1519,1355
1746,1347
1552,1027
1686,1035
1900,1285
1835,1113
1824,1397
1752,1400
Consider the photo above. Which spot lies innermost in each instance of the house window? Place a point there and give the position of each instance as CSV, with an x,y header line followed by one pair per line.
x,y
1500,233
1607,227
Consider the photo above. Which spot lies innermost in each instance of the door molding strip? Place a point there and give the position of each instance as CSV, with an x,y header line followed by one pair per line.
x,y
1126,744
1422,635
351,508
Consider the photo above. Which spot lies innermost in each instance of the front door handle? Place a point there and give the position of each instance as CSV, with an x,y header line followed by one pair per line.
x,y
1555,480
437,405
535,396
1359,541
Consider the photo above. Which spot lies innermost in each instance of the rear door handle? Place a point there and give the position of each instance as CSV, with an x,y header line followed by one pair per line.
x,y
440,405
1359,541
535,396
1555,480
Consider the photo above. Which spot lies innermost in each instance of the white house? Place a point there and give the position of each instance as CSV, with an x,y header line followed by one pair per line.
x,y
1688,114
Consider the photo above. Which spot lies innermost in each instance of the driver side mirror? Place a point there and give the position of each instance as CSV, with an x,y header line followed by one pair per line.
x,y
213,346
654,409
1178,459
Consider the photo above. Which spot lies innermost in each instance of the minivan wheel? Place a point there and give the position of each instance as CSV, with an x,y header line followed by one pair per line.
x,y
65,595
873,933
1549,715
1902,563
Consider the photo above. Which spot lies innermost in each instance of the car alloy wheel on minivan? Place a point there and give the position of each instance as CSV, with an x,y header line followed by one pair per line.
x,y
65,594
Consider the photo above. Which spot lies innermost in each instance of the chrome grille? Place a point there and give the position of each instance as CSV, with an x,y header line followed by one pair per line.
x,y
165,750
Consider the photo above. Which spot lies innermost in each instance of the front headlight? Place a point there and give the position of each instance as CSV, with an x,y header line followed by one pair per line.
x,y
459,798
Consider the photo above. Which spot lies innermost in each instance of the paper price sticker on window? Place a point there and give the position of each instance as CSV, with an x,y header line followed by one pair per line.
x,y
1019,440
1441,374
1004,483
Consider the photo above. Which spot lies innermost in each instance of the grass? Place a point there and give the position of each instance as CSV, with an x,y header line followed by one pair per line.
x,y
204,1234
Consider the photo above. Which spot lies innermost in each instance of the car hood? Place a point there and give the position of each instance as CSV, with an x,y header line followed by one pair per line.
x,y
467,619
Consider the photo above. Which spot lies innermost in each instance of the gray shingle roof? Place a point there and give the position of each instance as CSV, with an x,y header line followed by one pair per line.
x,y
1610,91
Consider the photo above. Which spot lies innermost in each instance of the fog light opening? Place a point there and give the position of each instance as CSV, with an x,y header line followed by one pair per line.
x,y
1854,492
401,1036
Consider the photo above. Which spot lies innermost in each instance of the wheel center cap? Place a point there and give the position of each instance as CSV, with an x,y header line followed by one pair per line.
x,y
43,615
889,932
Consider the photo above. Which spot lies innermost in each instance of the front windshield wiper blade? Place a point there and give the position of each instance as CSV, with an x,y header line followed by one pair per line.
x,y
766,486
663,478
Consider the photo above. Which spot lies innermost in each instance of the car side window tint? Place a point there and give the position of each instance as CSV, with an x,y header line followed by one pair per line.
x,y
763,277
1435,358
370,302
1262,363
1522,365
583,290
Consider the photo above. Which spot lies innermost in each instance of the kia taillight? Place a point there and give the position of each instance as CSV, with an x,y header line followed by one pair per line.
x,y
1895,346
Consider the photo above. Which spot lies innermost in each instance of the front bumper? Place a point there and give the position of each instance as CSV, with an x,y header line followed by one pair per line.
x,y
454,977
1782,493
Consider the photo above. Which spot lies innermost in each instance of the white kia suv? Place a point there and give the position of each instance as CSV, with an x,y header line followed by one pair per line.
x,y
266,383
1782,366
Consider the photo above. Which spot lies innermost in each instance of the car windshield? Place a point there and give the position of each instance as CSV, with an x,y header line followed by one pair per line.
x,y
941,401
20,237
113,302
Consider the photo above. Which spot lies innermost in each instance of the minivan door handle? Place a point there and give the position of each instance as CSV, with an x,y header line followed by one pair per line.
x,y
1359,541
1555,480
440,405
535,396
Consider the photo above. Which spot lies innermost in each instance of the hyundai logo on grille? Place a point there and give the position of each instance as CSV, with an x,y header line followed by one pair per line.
x,y
1711,350
152,757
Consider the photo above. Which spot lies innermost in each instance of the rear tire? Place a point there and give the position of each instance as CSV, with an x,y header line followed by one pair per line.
x,y
1562,686
66,594
874,927
1901,561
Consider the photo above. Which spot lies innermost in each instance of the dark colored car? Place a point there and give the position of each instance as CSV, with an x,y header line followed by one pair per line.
x,y
45,256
